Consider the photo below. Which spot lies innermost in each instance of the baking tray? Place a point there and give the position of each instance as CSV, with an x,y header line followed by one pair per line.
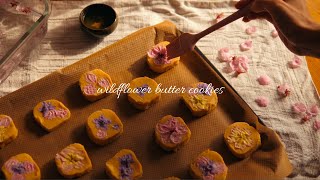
x,y
23,24
124,61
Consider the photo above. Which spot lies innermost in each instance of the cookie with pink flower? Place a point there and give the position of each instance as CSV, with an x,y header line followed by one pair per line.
x,y
94,84
8,131
104,126
172,133
21,166
51,114
157,58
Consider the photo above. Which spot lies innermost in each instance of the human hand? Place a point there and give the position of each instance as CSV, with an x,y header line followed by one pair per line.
x,y
292,21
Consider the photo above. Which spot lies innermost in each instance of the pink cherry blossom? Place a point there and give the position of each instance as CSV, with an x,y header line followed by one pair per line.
x,y
239,64
274,33
224,55
264,80
245,46
299,108
171,131
251,30
316,125
295,62
159,54
314,110
262,101
284,90
5,121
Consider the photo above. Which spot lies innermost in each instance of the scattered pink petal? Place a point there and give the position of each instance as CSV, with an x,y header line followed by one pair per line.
x,y
316,125
299,108
219,17
23,9
274,33
224,55
295,63
264,80
284,90
306,117
251,30
262,101
228,69
314,110
239,64
245,46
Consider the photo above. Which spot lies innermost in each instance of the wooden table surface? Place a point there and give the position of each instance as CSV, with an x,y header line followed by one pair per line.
x,y
313,63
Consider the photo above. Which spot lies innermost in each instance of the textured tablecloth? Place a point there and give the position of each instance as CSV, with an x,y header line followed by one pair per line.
x,y
65,44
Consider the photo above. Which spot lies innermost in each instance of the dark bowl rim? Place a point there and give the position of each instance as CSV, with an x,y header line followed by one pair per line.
x,y
82,15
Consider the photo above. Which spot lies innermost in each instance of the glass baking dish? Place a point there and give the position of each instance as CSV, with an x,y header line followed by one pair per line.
x,y
23,24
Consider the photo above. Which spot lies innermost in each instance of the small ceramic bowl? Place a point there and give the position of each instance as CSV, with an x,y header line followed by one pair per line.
x,y
98,20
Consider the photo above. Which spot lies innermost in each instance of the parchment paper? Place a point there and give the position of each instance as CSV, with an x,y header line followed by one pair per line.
x,y
125,60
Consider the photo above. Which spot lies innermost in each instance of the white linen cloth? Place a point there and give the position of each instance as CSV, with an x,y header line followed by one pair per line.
x,y
65,44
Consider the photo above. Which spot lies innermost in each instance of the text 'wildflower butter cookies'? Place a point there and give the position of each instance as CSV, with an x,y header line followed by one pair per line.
x,y
104,126
242,139
21,166
158,58
209,165
143,94
124,165
8,131
73,161
200,98
50,114
172,133
92,80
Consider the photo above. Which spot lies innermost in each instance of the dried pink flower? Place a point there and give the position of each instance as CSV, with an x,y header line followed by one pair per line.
x,y
245,46
295,62
159,54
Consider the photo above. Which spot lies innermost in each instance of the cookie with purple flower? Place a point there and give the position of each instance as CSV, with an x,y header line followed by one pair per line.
x,y
209,165
94,84
51,114
158,60
8,131
21,166
124,165
200,98
104,126
143,93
